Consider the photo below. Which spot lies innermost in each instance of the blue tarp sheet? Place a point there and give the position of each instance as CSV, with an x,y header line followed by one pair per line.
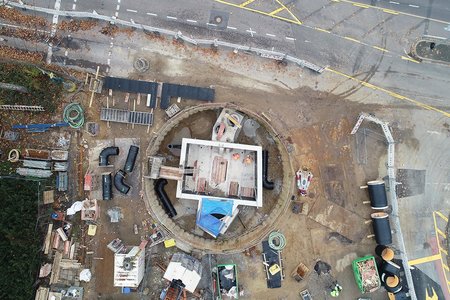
x,y
205,218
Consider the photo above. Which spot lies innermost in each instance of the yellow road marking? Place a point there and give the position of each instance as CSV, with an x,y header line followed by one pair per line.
x,y
361,5
246,3
410,59
276,11
292,15
259,12
381,49
426,259
443,250
444,265
323,30
442,216
352,39
394,11
390,11
441,233
415,102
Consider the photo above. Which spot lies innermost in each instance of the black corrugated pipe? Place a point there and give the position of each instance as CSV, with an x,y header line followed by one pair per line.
x,y
390,268
163,198
269,185
105,154
106,186
381,228
377,194
131,158
120,185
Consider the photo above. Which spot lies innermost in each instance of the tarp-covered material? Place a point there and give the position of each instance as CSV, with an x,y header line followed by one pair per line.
x,y
184,91
206,219
132,86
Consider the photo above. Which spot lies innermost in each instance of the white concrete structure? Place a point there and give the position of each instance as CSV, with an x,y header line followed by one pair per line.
x,y
219,170
129,267
185,268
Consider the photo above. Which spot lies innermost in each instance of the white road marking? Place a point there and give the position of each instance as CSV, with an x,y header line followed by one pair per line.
x,y
53,32
269,34
117,7
392,2
251,32
232,28
435,37
433,132
74,6
132,10
118,1
116,14
173,18
152,14
191,21
211,24
412,5
290,38
66,53
109,61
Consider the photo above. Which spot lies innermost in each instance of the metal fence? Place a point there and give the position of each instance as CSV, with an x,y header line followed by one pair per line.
x,y
177,35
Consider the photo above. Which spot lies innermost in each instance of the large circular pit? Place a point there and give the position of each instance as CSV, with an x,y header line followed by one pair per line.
x,y
199,123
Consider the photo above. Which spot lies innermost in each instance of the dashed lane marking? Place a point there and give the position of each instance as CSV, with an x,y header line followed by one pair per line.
x,y
395,12
361,5
244,4
393,2
191,21
232,28
381,49
290,38
323,30
269,34
395,95
352,39
172,18
152,14
410,59
132,10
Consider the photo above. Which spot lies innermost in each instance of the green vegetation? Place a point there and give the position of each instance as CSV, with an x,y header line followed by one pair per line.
x,y
41,89
20,244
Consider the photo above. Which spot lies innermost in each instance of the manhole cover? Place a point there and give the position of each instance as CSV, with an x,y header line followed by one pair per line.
x,y
141,65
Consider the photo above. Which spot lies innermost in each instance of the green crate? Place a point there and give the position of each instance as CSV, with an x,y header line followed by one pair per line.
x,y
359,277
219,296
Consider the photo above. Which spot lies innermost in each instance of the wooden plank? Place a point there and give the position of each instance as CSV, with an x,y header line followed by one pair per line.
x,y
48,238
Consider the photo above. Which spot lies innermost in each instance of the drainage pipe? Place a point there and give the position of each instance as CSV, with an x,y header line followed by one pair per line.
x,y
131,158
105,154
269,185
377,194
120,185
381,228
163,198
106,186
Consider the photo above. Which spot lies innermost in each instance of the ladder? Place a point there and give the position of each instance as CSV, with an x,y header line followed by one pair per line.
x,y
33,108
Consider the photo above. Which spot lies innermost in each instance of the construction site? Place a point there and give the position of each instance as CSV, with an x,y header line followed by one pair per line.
x,y
201,173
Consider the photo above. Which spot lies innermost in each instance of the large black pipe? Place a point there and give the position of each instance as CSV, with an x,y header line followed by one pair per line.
x,y
163,198
106,186
105,154
390,268
377,194
381,228
131,158
120,185
269,185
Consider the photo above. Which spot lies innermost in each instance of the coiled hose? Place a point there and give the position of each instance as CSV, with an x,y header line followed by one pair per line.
x,y
74,115
280,240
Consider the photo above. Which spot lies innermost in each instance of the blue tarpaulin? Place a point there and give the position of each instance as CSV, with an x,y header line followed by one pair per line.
x,y
210,207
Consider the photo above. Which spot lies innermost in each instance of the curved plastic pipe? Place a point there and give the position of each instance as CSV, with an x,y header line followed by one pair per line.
x,y
269,185
163,198
105,154
120,185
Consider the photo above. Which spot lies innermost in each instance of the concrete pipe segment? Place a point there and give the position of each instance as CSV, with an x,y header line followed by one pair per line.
x,y
253,235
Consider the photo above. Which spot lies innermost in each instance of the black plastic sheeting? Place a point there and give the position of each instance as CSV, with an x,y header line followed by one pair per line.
x,y
163,198
131,158
377,194
381,228
119,183
274,281
105,154
133,86
106,186
269,185
184,91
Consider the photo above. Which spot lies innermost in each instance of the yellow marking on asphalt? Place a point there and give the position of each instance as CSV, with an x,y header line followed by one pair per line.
x,y
295,21
407,99
423,260
410,59
289,11
381,49
444,265
443,250
352,39
441,233
369,85
441,215
394,11
390,11
361,5
246,3
276,11
323,30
